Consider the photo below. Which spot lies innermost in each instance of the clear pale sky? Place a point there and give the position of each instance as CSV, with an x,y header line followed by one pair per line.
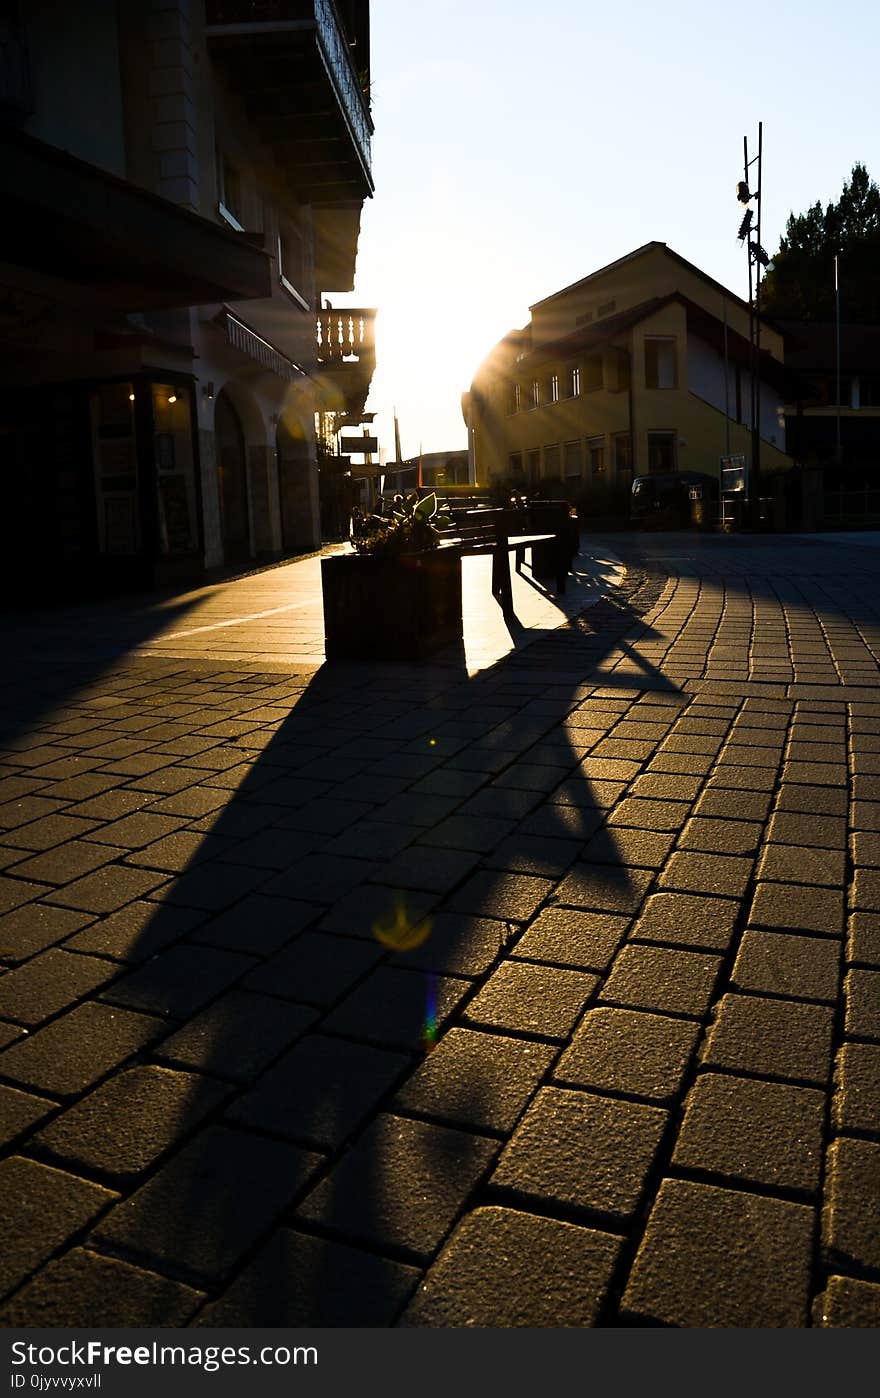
x,y
520,146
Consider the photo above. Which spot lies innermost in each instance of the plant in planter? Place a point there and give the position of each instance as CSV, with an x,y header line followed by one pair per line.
x,y
398,596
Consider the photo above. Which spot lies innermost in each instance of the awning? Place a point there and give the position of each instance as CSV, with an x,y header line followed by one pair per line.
x,y
82,228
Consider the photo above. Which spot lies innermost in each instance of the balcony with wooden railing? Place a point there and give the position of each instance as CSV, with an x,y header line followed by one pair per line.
x,y
292,61
346,353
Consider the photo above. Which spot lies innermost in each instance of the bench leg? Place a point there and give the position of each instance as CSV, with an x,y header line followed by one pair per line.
x,y
501,587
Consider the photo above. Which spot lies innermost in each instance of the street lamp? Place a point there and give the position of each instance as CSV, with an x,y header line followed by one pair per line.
x,y
757,258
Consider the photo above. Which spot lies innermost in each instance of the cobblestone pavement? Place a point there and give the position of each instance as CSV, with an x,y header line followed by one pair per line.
x,y
545,995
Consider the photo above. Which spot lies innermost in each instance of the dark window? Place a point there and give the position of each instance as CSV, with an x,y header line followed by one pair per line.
x,y
533,465
607,307
572,458
661,452
551,460
515,463
592,372
623,464
596,457
660,368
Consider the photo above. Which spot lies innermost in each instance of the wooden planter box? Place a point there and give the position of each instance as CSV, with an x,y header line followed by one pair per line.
x,y
391,609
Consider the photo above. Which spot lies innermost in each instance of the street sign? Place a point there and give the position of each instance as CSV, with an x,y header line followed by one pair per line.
x,y
359,446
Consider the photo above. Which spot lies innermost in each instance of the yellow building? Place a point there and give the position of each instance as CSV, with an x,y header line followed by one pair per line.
x,y
640,367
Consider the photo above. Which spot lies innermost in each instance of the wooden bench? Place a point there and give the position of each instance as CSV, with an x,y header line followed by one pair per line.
x,y
480,528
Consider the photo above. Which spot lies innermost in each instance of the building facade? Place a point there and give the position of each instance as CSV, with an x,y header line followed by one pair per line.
x,y
643,366
181,181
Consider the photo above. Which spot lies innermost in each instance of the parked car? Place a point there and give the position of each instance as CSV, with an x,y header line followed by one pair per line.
x,y
674,500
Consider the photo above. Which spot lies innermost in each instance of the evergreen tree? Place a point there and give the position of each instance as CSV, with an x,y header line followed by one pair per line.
x,y
800,285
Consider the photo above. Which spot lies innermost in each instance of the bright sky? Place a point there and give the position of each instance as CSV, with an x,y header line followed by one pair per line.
x,y
521,144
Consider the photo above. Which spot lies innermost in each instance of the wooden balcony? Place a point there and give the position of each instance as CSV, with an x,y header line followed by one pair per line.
x,y
292,63
346,350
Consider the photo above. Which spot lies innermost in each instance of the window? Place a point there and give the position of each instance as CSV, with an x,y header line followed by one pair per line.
x,y
553,388
592,373
623,462
606,308
514,461
291,262
571,457
536,394
533,465
585,318
660,366
573,380
229,200
596,457
551,460
514,401
661,451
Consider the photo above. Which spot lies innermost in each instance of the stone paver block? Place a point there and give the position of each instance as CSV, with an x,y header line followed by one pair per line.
x,y
209,1203
455,944
469,833
661,786
603,888
721,836
571,937
106,889
848,1303
786,1039
476,1080
649,814
436,870
43,1207
753,1132
320,1090
582,1152
297,1279
502,1267
14,893
623,846
850,1217
657,978
237,1036
400,1186
863,939
802,864
136,933
806,968
811,801
532,998
318,878
67,862
534,854
392,916
856,1102
688,920
178,981
398,1007
865,892
123,1126
75,1050
257,925
31,929
625,1051
691,872
516,897
720,1257
862,990
48,983
316,968
19,1112
800,908
797,828
745,806
72,1290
